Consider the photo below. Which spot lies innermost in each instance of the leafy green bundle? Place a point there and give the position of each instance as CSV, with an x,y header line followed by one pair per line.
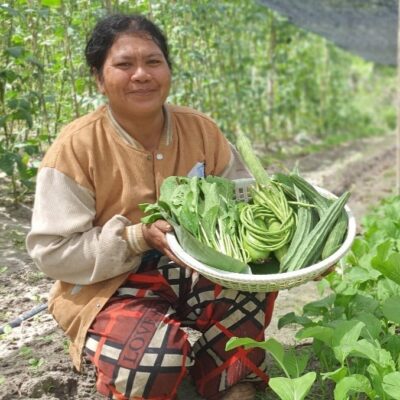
x,y
224,233
204,214
312,237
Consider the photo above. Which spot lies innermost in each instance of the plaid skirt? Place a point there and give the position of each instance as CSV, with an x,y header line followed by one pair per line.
x,y
140,350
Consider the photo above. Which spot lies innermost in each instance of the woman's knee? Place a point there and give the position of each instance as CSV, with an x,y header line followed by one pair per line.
x,y
143,370
148,382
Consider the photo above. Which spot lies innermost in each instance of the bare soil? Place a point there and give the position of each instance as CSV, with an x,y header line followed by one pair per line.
x,y
34,362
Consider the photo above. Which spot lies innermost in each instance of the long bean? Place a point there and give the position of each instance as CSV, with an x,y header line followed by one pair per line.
x,y
269,223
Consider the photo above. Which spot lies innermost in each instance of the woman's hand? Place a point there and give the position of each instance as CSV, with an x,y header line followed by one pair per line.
x,y
154,234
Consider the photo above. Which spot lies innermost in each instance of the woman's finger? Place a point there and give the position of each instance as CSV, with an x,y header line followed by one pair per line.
x,y
163,226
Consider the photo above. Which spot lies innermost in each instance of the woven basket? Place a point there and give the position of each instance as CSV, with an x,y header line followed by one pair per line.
x,y
266,282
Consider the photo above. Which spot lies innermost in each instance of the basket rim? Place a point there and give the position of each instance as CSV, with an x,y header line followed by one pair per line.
x,y
276,278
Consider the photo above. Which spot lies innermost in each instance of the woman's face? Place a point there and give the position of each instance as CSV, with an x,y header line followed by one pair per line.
x,y
136,77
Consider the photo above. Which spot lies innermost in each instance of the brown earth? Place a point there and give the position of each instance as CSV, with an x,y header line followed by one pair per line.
x,y
33,358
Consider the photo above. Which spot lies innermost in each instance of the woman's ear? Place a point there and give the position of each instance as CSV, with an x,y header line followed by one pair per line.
x,y
99,82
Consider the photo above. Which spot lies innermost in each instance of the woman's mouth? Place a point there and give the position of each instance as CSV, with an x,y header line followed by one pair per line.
x,y
141,92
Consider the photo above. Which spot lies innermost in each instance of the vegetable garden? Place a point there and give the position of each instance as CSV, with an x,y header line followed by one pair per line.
x,y
355,328
292,93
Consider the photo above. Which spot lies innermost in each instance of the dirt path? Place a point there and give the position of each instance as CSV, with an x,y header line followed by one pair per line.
x,y
33,358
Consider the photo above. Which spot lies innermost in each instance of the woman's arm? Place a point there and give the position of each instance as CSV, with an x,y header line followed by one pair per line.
x,y
63,241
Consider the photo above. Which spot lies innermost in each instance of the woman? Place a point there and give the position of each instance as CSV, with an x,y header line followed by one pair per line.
x,y
118,295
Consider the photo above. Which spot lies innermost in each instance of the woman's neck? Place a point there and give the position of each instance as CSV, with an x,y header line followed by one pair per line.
x,y
147,130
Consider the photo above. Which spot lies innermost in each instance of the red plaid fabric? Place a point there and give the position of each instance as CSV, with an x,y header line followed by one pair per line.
x,y
141,352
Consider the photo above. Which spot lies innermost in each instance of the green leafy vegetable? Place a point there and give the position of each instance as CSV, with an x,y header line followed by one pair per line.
x,y
205,217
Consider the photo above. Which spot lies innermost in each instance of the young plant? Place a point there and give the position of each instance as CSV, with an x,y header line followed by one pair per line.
x,y
355,328
293,386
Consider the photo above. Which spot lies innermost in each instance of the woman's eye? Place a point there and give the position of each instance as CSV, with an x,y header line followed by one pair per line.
x,y
154,62
124,65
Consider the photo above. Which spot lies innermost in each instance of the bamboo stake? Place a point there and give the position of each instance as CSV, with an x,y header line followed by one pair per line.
x,y
271,79
398,105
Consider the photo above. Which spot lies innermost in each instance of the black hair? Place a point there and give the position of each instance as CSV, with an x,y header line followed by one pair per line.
x,y
109,28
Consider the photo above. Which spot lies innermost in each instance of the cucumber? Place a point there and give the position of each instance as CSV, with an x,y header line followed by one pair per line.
x,y
335,237
305,223
311,247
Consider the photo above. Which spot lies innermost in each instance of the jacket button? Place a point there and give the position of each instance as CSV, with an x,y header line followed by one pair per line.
x,y
98,305
149,157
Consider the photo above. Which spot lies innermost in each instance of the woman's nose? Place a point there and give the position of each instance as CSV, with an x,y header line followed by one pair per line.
x,y
140,73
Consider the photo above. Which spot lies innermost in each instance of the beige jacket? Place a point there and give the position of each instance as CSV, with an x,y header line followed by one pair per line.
x,y
89,185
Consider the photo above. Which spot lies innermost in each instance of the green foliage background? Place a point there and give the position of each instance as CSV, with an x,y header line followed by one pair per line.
x,y
235,60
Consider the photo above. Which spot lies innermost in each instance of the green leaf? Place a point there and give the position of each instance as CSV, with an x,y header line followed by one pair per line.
x,y
359,275
206,254
26,351
3,120
376,378
188,217
20,103
359,247
271,345
211,207
23,115
344,337
336,375
389,267
391,385
352,384
293,389
15,51
320,306
391,309
8,75
292,318
385,289
383,250
169,186
226,188
393,346
235,342
175,194
322,333
295,363
372,351
347,332
8,161
372,325
51,3
36,363
33,60
362,302
10,10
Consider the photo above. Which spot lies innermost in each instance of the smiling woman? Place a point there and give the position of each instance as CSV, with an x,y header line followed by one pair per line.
x,y
136,79
120,293
134,74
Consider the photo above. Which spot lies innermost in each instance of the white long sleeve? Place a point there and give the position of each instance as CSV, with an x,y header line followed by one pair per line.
x,y
63,241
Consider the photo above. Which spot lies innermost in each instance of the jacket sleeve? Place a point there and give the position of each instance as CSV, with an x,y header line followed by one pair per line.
x,y
63,241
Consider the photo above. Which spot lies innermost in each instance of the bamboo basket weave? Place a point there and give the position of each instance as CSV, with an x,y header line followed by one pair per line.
x,y
265,282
